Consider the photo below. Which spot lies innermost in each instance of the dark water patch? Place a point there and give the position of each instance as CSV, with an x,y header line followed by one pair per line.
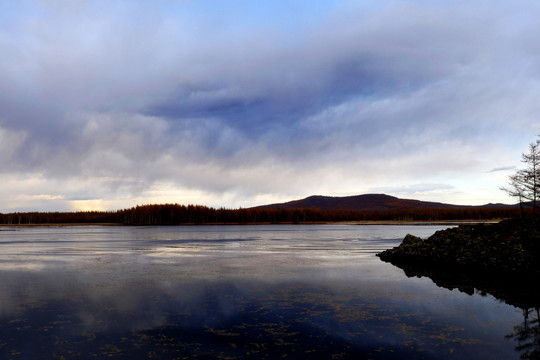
x,y
516,289
232,320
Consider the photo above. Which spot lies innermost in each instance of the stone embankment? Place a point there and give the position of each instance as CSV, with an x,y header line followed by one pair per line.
x,y
511,246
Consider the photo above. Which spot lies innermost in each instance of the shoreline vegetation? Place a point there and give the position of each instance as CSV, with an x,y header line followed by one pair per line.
x,y
175,214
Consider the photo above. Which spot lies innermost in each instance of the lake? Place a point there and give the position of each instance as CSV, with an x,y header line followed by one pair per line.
x,y
234,292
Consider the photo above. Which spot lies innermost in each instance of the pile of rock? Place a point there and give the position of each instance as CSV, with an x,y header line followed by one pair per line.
x,y
508,246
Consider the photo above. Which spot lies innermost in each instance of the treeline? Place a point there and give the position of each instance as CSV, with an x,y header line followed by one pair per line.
x,y
174,214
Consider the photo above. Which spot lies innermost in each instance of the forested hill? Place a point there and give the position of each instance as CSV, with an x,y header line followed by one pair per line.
x,y
369,202
310,210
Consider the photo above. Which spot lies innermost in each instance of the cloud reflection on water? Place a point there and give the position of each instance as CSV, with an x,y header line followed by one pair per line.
x,y
142,298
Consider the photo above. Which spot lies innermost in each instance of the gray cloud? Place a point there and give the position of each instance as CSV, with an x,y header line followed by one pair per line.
x,y
502,168
434,89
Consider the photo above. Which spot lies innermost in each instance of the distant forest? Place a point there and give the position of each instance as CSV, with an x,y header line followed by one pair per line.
x,y
174,214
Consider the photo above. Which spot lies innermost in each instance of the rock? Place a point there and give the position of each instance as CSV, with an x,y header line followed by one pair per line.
x,y
411,240
511,245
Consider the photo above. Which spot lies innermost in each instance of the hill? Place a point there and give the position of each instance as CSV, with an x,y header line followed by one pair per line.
x,y
368,202
370,207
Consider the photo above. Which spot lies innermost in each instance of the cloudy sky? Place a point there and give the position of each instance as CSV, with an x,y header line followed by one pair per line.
x,y
110,104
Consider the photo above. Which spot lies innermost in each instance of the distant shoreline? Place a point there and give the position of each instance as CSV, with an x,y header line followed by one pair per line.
x,y
358,222
175,214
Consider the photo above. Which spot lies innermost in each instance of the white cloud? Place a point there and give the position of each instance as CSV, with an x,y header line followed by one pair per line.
x,y
109,105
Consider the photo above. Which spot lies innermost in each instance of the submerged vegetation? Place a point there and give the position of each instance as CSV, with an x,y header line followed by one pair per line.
x,y
175,214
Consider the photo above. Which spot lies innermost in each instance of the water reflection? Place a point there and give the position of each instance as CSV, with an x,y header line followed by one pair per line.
x,y
520,291
527,334
259,292
299,319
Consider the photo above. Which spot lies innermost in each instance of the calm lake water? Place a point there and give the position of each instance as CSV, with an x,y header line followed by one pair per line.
x,y
234,292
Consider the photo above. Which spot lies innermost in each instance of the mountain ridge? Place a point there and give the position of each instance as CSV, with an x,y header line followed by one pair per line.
x,y
369,202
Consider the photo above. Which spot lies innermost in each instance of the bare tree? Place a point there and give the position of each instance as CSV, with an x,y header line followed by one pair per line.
x,y
516,189
525,183
528,335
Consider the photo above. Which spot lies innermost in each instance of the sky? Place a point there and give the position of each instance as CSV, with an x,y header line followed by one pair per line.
x,y
105,105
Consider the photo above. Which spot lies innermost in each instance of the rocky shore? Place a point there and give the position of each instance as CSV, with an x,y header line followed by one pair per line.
x,y
502,259
510,246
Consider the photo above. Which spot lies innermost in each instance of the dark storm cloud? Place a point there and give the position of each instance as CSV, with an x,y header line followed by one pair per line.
x,y
286,86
